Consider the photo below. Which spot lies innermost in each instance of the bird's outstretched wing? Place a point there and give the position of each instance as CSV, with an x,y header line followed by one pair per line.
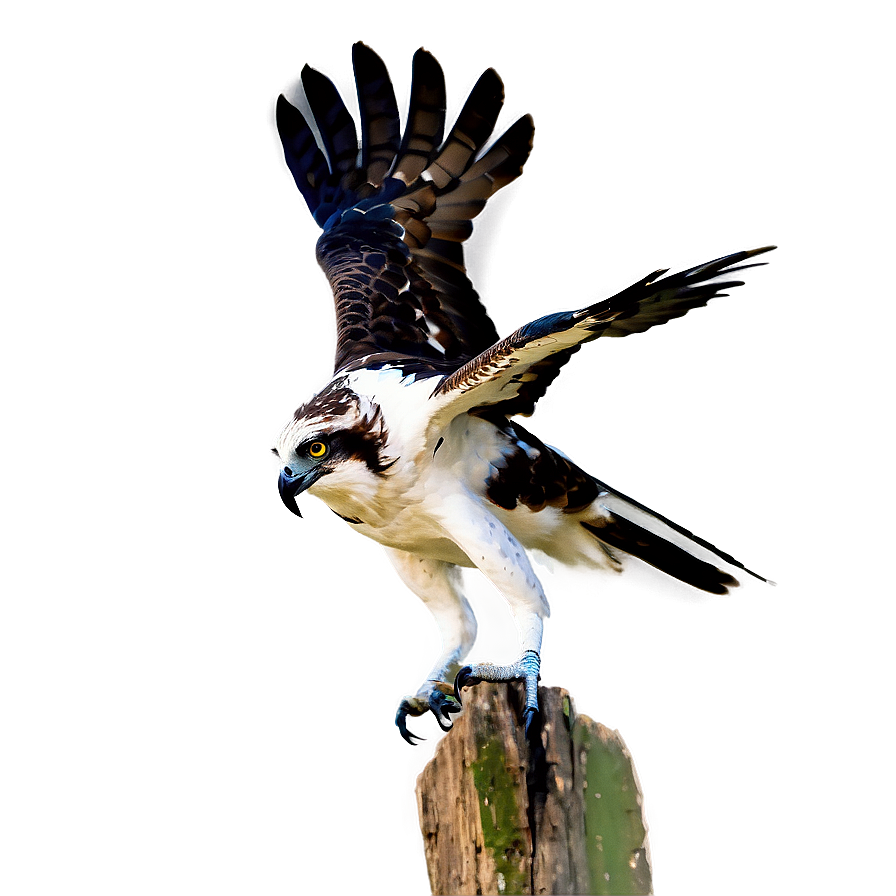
x,y
510,376
395,214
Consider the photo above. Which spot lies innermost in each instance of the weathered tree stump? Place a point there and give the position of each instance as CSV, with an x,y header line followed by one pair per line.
x,y
561,816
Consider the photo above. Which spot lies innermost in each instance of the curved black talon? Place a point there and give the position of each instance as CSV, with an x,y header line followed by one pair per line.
x,y
404,710
464,678
442,707
532,719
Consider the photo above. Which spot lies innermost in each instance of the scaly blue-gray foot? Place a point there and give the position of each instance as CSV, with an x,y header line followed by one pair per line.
x,y
428,699
525,668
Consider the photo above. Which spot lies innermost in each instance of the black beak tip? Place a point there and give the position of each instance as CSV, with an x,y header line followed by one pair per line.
x,y
288,488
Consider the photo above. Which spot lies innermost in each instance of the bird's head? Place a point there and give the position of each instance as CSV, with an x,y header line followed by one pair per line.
x,y
339,435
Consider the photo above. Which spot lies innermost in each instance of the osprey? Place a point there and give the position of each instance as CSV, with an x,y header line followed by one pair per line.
x,y
413,441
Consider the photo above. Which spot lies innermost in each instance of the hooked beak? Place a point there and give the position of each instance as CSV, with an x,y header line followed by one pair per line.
x,y
289,486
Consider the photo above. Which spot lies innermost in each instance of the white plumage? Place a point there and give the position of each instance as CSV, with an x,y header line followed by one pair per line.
x,y
412,442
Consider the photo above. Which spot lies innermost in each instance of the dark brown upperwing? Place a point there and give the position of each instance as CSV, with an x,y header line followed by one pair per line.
x,y
394,220
385,307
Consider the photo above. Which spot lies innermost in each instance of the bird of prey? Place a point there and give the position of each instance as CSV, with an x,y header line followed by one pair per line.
x,y
413,441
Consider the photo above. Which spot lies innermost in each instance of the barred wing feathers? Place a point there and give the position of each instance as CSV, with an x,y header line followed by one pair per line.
x,y
510,376
395,213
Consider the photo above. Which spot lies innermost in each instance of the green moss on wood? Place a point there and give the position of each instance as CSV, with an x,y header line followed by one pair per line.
x,y
614,827
502,831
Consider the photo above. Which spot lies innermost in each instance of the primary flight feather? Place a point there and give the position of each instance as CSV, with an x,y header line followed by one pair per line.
x,y
412,442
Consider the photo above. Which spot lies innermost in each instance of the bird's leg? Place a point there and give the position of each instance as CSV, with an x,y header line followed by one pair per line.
x,y
501,557
437,584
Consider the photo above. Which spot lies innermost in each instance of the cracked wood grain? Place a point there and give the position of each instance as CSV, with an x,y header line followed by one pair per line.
x,y
561,815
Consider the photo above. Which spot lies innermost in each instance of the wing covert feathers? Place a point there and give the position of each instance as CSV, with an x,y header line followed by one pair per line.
x,y
396,210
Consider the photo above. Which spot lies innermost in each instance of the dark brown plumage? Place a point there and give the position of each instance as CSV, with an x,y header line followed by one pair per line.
x,y
395,218
536,476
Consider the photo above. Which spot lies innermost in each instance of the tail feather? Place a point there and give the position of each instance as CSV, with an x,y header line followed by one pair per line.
x,y
624,535
645,517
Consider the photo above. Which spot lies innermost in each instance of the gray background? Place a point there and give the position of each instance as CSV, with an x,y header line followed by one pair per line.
x,y
198,688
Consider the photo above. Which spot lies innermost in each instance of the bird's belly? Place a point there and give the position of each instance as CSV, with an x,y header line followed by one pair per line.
x,y
417,537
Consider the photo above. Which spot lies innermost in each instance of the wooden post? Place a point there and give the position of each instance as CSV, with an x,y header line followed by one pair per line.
x,y
560,816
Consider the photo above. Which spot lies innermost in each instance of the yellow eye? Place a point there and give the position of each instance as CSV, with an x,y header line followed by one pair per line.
x,y
317,449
